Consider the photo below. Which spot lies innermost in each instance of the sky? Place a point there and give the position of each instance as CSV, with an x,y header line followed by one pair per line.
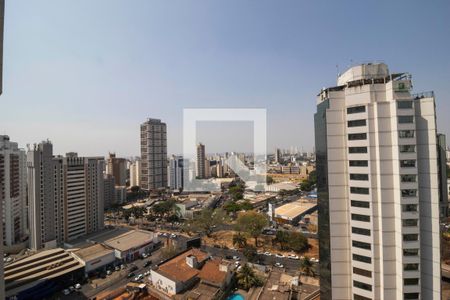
x,y
86,73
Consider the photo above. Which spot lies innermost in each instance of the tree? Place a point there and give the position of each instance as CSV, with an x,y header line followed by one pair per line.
x,y
253,223
297,242
250,253
232,207
135,189
313,177
236,192
306,186
239,240
246,205
165,208
208,218
269,180
306,267
247,278
282,238
168,252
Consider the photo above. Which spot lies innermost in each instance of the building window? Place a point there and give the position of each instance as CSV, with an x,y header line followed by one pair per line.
x,y
362,272
412,237
358,163
409,193
361,231
410,252
361,177
410,296
408,163
408,178
409,207
357,136
357,203
407,148
362,258
410,222
362,285
356,123
359,190
362,218
361,245
410,267
411,281
404,104
406,134
405,119
357,150
359,297
356,109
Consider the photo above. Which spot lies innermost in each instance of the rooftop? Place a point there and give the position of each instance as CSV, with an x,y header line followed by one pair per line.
x,y
211,271
130,240
92,252
294,209
177,268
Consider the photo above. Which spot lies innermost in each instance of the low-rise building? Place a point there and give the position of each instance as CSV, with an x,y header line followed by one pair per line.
x,y
131,245
293,212
259,200
40,275
276,187
179,273
96,257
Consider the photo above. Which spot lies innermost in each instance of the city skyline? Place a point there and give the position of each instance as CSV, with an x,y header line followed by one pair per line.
x,y
168,58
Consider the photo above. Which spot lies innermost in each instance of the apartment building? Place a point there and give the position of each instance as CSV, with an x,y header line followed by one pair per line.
x,y
176,172
117,167
201,160
153,155
13,192
65,194
378,188
135,173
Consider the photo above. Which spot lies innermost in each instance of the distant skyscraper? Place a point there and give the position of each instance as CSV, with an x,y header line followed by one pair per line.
x,y
2,19
201,158
277,155
66,196
13,187
109,190
443,188
117,167
153,155
377,188
176,172
135,173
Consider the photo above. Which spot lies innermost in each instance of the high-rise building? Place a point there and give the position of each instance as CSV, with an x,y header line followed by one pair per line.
x,y
2,21
443,188
13,188
109,193
135,173
153,155
277,156
65,194
176,172
377,188
117,167
201,158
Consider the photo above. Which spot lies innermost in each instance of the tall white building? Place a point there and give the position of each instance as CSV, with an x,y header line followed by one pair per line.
x,y
378,188
13,187
153,155
176,172
135,173
201,160
65,194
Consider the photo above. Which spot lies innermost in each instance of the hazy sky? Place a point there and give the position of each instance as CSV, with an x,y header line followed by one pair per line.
x,y
86,73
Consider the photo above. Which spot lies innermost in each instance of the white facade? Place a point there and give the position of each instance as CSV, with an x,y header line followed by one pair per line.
x,y
13,190
378,188
135,173
176,172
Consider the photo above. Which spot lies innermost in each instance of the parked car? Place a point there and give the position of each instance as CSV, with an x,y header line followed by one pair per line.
x,y
131,275
279,255
117,268
66,292
147,263
292,256
139,277
278,265
108,272
173,235
229,257
236,257
78,286
267,253
133,268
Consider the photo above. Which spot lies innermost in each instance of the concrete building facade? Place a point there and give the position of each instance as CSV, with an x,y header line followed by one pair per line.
x,y
117,167
201,160
65,194
176,172
135,173
378,188
153,155
13,192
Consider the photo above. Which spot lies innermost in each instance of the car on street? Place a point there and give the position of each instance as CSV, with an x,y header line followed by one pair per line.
x,y
173,235
131,275
66,292
279,255
228,257
117,268
144,255
147,263
267,253
292,256
78,286
139,277
236,257
108,272
133,268
278,265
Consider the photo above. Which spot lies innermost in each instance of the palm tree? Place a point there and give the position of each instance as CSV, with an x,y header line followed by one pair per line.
x,y
306,267
247,278
239,240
